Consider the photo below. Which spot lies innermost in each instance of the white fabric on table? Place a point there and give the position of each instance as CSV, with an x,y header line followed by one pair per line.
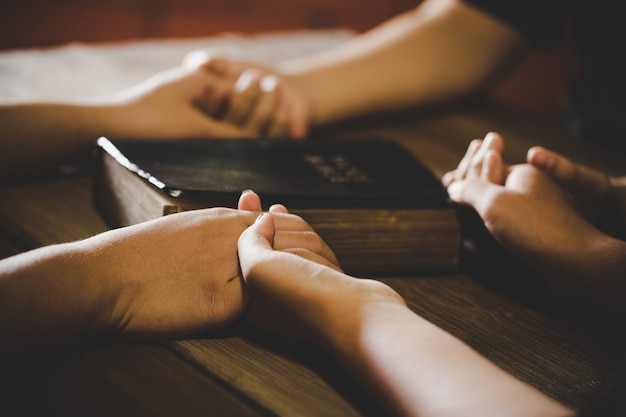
x,y
80,70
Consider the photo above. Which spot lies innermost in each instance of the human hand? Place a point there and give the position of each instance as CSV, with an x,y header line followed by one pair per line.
x,y
179,274
535,219
255,98
173,103
299,294
601,197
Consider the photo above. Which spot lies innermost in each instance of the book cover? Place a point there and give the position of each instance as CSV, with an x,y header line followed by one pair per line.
x,y
374,203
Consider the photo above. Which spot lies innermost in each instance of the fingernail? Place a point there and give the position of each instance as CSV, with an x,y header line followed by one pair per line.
x,y
247,191
453,190
268,83
243,81
259,217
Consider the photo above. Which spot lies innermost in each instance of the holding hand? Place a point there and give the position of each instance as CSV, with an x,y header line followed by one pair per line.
x,y
254,98
174,104
169,277
170,104
302,293
409,365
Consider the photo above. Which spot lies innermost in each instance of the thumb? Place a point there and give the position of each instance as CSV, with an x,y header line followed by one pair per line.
x,y
581,180
256,241
249,201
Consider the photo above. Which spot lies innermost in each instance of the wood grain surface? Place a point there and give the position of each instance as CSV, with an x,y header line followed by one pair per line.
x,y
496,305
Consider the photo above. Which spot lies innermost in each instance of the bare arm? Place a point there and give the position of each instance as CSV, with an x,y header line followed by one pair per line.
x,y
441,50
411,366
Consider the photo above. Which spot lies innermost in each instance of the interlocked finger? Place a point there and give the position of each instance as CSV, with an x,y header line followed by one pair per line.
x,y
245,96
260,117
461,171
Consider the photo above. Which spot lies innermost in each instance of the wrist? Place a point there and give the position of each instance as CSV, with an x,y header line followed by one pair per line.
x,y
353,310
605,266
68,297
592,270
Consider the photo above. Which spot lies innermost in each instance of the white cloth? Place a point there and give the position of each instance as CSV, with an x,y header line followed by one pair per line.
x,y
82,70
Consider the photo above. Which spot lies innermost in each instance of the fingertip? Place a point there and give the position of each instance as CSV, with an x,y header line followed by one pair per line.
x,y
268,83
298,130
248,78
447,178
249,201
264,226
494,140
540,158
454,191
278,208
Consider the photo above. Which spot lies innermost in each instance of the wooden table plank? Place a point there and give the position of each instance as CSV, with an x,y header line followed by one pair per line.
x,y
118,380
49,211
289,378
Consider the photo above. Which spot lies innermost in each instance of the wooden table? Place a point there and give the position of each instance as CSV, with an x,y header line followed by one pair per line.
x,y
504,312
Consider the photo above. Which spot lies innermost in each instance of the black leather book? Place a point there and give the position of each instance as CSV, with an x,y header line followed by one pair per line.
x,y
374,203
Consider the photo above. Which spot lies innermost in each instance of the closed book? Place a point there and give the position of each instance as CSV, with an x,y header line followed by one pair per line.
x,y
377,206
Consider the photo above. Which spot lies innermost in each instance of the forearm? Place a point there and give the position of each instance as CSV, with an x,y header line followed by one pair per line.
x,y
439,51
598,272
51,295
43,136
617,205
417,369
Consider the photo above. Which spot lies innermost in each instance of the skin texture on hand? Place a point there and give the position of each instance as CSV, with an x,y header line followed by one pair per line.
x,y
169,277
537,220
259,100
